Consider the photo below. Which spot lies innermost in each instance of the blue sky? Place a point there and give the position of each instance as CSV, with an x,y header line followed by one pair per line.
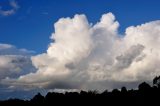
x,y
32,24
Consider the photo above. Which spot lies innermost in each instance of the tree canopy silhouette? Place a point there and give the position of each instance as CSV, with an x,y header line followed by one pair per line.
x,y
156,81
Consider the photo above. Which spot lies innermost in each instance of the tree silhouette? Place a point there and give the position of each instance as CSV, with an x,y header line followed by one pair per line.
x,y
124,90
38,99
144,87
156,81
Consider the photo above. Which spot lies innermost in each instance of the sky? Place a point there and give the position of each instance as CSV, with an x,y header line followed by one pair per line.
x,y
49,45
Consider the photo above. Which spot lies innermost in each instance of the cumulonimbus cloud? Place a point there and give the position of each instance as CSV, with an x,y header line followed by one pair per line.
x,y
87,56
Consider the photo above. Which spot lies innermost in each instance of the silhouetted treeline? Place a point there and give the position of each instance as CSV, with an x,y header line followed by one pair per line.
x,y
145,94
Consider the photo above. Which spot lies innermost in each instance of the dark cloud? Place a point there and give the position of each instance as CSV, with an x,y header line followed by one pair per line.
x,y
126,59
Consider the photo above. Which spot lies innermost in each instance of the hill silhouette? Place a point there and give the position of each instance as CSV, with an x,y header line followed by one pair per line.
x,y
145,94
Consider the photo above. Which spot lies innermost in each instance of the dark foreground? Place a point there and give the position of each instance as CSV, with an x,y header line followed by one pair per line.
x,y
145,95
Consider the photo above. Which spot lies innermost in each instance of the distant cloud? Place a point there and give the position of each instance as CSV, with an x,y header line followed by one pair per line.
x,y
11,11
14,62
7,49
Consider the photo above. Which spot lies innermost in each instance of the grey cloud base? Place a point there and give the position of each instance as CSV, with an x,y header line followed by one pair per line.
x,y
86,56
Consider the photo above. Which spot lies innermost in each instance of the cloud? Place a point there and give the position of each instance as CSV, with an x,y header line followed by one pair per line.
x,y
14,7
14,62
125,60
87,56
7,49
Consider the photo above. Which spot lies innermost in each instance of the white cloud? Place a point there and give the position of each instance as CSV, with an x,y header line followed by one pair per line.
x,y
14,7
86,56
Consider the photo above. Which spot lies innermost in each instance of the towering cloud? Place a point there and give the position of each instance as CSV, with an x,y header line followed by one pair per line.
x,y
86,56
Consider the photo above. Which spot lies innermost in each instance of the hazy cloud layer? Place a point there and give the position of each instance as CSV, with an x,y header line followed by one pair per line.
x,y
14,7
86,56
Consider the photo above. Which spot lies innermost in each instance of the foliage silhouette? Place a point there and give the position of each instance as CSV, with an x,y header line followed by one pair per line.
x,y
145,94
156,81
